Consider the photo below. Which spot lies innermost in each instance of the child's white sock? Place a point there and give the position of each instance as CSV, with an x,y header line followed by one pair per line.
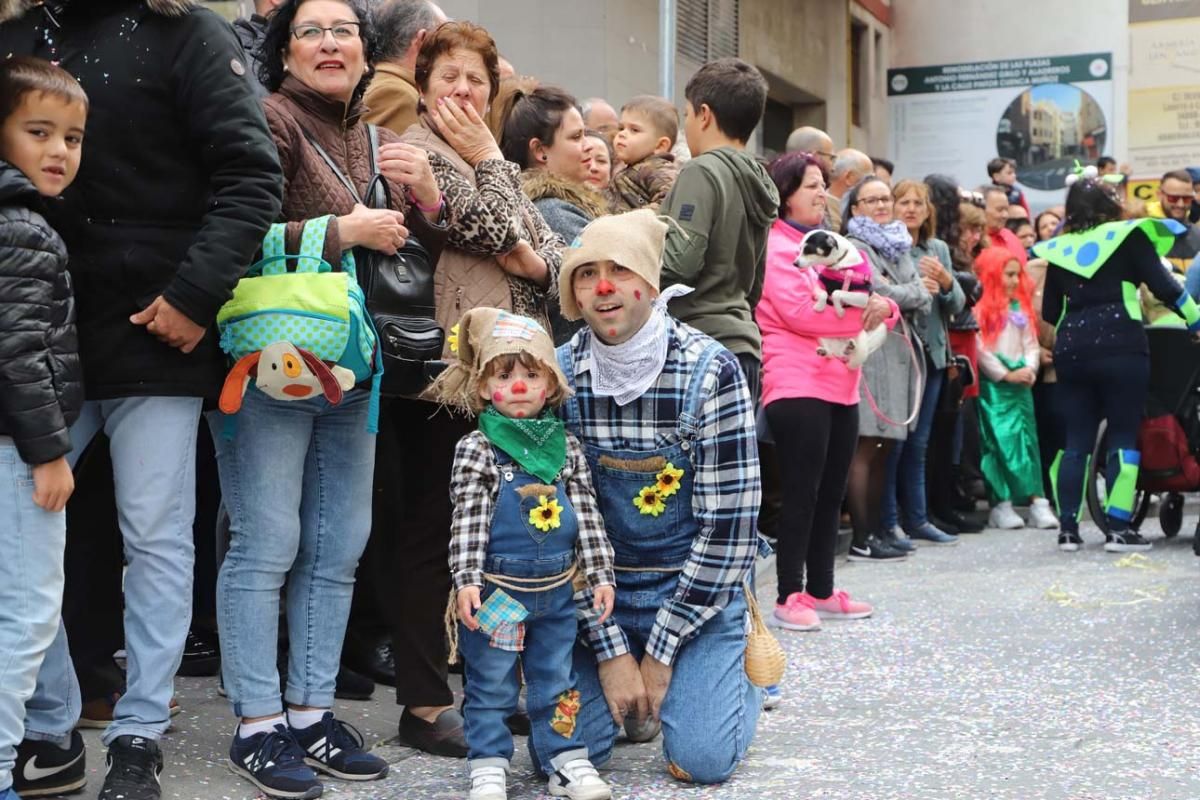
x,y
299,720
248,729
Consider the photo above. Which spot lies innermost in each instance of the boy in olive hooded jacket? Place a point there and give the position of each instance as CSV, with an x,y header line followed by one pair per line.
x,y
724,202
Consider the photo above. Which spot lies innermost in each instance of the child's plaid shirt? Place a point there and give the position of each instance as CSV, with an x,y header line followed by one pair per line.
x,y
474,481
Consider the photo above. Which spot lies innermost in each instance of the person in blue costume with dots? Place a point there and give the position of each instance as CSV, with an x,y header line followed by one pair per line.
x,y
1101,353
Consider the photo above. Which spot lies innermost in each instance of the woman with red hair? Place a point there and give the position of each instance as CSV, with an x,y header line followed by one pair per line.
x,y
1008,361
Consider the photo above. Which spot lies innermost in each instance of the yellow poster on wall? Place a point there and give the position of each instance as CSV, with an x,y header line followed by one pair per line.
x,y
1164,90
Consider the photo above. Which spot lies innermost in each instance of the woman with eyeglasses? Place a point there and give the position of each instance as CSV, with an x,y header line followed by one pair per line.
x,y
296,476
890,391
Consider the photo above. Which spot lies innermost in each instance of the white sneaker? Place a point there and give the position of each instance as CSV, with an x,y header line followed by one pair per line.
x,y
1041,515
488,783
1003,517
578,780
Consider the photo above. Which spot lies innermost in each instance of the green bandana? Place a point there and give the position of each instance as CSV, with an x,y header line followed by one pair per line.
x,y
1085,252
538,445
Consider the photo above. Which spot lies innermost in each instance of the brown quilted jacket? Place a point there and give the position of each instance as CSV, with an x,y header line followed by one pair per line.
x,y
310,189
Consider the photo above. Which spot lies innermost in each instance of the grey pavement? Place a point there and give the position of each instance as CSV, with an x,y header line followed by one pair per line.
x,y
999,668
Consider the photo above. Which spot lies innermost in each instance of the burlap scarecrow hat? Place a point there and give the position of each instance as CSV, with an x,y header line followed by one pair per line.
x,y
634,240
484,334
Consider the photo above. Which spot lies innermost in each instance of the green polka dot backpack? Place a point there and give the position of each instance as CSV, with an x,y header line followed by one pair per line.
x,y
316,308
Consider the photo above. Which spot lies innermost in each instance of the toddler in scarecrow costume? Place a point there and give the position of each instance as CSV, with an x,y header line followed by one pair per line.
x,y
525,521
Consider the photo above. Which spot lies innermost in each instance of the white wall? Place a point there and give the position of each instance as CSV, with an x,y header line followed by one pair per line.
x,y
929,32
601,48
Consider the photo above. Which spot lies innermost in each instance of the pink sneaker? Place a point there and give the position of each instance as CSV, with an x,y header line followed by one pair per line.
x,y
796,614
838,606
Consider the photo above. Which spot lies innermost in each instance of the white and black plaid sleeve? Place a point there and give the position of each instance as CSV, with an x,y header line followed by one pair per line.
x,y
472,493
725,498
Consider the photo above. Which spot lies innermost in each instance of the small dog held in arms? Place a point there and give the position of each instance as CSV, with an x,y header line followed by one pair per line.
x,y
845,276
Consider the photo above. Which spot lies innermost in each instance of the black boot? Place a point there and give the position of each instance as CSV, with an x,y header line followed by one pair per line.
x,y
956,520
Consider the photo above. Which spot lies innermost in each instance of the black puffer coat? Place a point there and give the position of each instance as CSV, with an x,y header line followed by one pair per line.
x,y
41,382
179,182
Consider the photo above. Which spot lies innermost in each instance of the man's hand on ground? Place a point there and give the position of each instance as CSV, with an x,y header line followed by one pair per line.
x,y
621,681
656,677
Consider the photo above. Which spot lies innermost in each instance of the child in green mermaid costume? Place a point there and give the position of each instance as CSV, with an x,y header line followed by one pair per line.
x,y
1009,356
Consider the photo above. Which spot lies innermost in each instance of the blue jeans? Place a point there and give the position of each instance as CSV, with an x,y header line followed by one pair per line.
x,y
906,464
153,451
711,709
492,689
31,588
296,480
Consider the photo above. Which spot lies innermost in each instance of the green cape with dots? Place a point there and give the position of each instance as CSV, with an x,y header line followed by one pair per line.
x,y
1085,252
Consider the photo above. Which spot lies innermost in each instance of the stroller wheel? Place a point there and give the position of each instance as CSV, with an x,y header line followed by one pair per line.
x,y
1170,515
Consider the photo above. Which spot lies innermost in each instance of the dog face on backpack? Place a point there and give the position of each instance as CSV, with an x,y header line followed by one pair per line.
x,y
284,372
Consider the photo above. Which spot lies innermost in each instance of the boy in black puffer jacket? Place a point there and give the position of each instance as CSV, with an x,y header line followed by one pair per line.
x,y
43,110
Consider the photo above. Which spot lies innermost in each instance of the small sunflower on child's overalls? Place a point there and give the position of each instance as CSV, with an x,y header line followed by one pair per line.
x,y
545,515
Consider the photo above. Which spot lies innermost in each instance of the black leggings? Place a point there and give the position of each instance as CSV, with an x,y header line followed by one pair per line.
x,y
868,477
814,442
1112,389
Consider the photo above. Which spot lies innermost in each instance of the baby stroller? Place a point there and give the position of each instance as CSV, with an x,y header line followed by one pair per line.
x,y
1169,439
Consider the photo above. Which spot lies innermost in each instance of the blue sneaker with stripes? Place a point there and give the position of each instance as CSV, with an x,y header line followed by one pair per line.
x,y
274,762
336,748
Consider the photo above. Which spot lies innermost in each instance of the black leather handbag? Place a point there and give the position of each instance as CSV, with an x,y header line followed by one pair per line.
x,y
400,295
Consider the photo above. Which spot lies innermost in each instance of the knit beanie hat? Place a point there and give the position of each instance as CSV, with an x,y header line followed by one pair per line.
x,y
634,240
482,335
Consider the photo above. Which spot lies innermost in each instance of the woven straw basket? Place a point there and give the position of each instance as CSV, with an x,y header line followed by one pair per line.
x,y
765,659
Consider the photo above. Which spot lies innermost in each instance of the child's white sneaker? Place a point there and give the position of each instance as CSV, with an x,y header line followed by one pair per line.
x,y
1041,515
489,783
1004,517
578,780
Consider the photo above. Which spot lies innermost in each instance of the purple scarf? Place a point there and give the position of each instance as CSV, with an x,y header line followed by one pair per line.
x,y
891,241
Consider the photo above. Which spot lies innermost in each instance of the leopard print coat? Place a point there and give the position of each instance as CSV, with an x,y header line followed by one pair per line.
x,y
488,218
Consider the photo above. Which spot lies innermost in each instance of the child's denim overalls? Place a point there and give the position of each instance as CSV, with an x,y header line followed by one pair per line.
x,y
517,549
711,709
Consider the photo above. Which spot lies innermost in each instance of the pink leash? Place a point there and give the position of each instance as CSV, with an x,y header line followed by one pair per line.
x,y
919,383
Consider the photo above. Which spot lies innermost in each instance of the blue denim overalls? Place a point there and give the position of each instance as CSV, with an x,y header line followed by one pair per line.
x,y
711,709
518,550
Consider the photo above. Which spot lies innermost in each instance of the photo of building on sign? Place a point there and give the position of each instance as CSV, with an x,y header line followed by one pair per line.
x,y
1046,129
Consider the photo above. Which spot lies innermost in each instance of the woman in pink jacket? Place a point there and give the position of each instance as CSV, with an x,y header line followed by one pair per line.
x,y
811,402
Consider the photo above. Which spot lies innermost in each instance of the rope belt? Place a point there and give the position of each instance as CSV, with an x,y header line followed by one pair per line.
x,y
531,584
504,582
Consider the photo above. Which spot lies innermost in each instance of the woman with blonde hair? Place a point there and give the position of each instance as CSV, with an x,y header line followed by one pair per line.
x,y
904,494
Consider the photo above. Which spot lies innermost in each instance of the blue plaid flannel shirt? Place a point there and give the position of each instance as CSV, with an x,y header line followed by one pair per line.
x,y
725,492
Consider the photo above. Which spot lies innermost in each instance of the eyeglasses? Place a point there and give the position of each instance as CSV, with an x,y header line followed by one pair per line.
x,y
1185,199
873,201
342,32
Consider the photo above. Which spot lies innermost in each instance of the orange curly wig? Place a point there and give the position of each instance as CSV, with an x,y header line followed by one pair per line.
x,y
992,309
